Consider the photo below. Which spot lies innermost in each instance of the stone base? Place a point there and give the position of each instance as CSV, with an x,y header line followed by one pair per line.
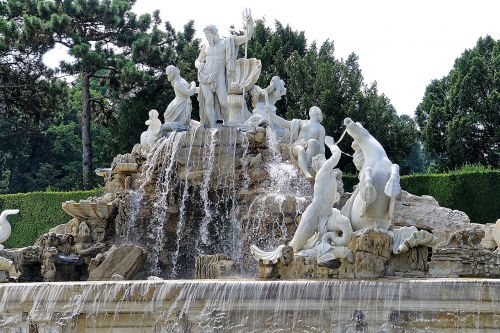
x,y
466,262
372,258
190,306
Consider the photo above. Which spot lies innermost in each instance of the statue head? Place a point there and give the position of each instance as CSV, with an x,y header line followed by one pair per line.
x,y
83,235
153,114
315,114
212,34
172,72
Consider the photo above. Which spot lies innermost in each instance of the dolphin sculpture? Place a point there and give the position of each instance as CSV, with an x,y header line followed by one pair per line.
x,y
5,228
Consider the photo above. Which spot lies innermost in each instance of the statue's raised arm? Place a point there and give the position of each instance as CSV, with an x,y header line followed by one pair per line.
x,y
249,25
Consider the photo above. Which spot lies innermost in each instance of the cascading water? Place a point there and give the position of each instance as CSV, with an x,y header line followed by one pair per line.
x,y
424,305
182,206
165,201
187,198
286,187
208,165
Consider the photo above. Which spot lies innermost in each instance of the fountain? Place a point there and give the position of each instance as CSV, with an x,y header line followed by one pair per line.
x,y
239,223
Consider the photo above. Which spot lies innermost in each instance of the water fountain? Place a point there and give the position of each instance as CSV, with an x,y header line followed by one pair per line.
x,y
253,210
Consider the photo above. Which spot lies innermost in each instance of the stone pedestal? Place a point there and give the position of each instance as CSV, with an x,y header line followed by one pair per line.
x,y
371,249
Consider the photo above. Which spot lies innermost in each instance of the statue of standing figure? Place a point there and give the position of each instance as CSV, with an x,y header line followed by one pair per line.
x,y
307,137
216,65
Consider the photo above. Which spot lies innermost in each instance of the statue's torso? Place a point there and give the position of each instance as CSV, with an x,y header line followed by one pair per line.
x,y
310,130
215,57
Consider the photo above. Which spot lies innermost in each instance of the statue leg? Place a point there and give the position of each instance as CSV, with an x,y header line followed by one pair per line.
x,y
221,91
300,154
307,227
313,149
208,106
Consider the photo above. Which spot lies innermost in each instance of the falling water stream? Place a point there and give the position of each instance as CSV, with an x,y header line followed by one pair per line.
x,y
424,305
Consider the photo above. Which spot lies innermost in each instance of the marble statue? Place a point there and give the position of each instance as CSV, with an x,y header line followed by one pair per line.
x,y
262,97
149,136
371,205
307,137
323,231
5,228
216,65
371,202
179,110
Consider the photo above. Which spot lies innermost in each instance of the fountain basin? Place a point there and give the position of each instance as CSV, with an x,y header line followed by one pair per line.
x,y
384,305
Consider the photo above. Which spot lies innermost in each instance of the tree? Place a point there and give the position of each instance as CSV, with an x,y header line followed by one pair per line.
x,y
459,115
314,76
100,36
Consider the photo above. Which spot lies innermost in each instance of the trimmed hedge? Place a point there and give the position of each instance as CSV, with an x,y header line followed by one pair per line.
x,y
38,212
476,193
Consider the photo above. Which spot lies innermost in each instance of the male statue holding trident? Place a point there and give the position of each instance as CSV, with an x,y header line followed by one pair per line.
x,y
216,66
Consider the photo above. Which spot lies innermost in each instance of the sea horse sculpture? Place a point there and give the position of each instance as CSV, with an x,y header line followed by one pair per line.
x,y
5,228
372,202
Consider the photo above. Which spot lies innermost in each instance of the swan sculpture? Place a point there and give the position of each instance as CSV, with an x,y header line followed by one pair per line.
x,y
5,228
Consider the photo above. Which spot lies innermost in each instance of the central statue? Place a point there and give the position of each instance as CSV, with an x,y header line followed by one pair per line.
x,y
216,66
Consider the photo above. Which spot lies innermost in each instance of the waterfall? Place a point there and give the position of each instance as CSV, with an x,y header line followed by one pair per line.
x,y
423,305
208,165
269,218
182,207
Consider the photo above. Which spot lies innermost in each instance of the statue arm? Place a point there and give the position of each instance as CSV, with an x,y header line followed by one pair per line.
x,y
335,158
321,140
183,88
277,119
201,58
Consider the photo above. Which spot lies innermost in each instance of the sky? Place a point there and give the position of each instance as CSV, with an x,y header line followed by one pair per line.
x,y
401,44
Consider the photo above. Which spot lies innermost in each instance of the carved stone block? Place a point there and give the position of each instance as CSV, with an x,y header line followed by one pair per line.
x,y
123,260
215,266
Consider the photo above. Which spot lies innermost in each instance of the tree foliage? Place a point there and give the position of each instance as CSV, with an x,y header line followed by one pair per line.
x,y
459,115
314,76
118,75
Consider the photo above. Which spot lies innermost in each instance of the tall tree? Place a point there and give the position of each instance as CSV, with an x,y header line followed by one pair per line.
x,y
459,115
100,36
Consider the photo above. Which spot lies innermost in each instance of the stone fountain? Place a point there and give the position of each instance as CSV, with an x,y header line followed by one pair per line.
x,y
239,223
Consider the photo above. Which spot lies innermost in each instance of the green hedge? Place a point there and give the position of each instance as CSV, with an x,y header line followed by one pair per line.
x,y
476,193
38,212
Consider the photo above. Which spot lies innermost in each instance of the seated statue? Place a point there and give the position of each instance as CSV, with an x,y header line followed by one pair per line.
x,y
178,112
149,136
322,232
307,137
